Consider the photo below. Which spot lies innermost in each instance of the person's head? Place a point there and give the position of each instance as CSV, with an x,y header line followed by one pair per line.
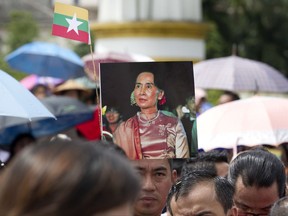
x,y
71,88
259,180
188,110
68,178
73,93
215,161
112,115
40,91
111,146
200,98
193,165
228,96
157,179
177,165
200,192
280,207
20,142
146,92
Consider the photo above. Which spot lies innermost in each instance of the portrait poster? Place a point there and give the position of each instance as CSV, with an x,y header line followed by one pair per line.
x,y
117,83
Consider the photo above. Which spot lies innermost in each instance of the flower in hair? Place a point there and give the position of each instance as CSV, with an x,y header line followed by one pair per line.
x,y
132,99
163,100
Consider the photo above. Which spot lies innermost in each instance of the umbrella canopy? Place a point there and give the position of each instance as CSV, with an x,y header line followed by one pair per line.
x,y
86,82
60,105
110,57
234,73
68,111
252,121
46,59
30,81
17,101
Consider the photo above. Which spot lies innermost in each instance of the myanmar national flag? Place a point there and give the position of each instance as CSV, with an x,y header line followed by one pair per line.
x,y
71,22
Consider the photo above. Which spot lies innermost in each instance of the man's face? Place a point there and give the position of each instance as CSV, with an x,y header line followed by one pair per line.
x,y
156,182
145,92
254,200
201,200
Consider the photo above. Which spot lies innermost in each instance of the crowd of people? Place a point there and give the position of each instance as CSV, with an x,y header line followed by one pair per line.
x,y
135,135
70,89
151,133
66,177
144,166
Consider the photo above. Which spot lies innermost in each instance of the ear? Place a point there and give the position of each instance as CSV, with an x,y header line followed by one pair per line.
x,y
233,211
174,176
161,94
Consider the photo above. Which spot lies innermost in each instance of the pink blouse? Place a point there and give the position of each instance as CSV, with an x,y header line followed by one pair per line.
x,y
161,137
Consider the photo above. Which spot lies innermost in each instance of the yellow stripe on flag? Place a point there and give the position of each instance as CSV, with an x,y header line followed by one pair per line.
x,y
70,10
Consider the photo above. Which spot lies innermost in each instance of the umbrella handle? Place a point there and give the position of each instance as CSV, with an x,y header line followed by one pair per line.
x,y
107,134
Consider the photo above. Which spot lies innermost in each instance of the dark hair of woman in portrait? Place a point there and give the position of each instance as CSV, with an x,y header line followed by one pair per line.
x,y
111,119
68,178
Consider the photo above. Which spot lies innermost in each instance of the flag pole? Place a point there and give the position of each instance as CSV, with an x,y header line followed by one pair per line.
x,y
97,94
60,28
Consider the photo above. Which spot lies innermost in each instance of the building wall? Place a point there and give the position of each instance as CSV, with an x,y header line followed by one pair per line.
x,y
161,29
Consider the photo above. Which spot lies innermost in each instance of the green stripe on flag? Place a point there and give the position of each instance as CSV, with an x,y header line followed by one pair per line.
x,y
60,19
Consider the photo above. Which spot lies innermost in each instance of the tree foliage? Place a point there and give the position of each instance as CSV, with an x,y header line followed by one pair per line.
x,y
83,49
4,66
257,28
21,29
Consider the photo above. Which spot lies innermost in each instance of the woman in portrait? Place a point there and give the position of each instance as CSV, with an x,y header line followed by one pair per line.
x,y
151,133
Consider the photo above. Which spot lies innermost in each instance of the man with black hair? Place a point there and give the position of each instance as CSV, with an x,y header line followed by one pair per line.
x,y
258,177
216,161
177,165
157,178
201,193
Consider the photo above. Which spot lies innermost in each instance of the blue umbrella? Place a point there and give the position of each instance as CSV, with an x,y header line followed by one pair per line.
x,y
68,111
46,59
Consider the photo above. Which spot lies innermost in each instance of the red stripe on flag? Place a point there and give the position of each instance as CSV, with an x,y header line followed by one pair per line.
x,y
62,32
